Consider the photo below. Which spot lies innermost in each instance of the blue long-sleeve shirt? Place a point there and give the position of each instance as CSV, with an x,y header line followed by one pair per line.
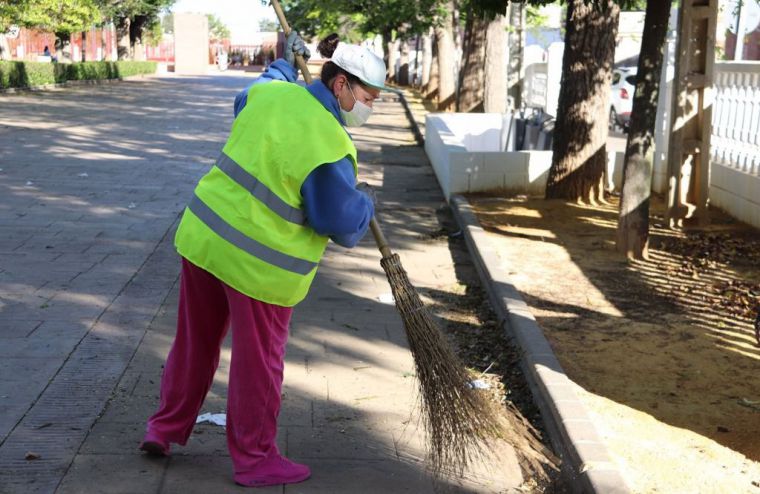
x,y
332,204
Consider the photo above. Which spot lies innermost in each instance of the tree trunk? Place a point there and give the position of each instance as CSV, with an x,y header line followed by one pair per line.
x,y
84,46
514,65
633,224
415,78
470,94
123,46
403,70
434,81
457,36
580,134
392,59
136,28
495,92
387,37
445,43
427,61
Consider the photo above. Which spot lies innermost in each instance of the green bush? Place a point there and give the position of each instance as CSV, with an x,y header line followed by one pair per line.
x,y
31,74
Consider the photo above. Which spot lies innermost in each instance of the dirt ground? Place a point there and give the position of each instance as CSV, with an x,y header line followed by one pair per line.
x,y
663,351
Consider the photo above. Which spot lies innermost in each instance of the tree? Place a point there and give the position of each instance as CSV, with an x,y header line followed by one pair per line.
x,y
472,74
10,14
444,38
268,26
133,18
154,34
427,60
515,42
396,21
217,30
579,148
322,17
61,17
482,79
633,223
430,90
495,92
167,23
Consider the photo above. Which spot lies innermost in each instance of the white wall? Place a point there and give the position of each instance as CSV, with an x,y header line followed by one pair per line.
x,y
463,149
191,50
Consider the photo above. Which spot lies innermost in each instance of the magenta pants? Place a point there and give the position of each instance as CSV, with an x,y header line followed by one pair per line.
x,y
207,307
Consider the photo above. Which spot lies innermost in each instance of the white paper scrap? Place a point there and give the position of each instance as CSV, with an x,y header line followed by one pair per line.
x,y
212,418
479,384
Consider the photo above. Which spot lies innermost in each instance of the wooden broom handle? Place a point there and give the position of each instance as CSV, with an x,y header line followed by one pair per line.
x,y
382,244
286,29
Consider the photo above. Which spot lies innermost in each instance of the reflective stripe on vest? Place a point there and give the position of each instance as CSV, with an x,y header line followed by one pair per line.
x,y
260,191
247,244
245,224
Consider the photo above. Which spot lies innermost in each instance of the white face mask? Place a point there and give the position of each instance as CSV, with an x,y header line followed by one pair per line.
x,y
358,115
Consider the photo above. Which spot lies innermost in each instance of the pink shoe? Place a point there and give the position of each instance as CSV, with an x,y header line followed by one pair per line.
x,y
154,446
274,470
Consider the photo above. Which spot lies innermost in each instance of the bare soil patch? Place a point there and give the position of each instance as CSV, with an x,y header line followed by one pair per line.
x,y
663,351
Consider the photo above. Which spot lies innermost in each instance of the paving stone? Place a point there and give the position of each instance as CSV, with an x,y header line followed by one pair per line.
x,y
17,328
211,473
340,440
97,252
368,477
96,473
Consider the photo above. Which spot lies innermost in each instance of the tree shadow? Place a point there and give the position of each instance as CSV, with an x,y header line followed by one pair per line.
x,y
93,180
648,334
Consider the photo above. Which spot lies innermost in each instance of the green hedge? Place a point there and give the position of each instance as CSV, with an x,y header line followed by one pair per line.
x,y
30,74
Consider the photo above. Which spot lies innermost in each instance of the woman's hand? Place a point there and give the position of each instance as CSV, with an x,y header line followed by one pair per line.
x,y
295,45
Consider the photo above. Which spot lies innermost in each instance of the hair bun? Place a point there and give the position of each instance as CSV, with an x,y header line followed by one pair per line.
x,y
327,46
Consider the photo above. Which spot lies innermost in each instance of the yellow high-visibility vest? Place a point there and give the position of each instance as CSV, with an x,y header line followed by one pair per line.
x,y
245,223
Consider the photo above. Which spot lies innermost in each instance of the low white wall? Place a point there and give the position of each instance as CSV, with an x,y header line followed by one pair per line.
x,y
464,151
515,172
735,192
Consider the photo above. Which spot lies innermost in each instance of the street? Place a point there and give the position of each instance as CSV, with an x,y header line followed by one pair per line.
x,y
93,181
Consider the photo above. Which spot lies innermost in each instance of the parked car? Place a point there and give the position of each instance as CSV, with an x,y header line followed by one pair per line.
x,y
621,99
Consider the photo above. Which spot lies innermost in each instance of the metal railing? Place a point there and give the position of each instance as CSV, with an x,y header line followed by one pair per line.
x,y
735,140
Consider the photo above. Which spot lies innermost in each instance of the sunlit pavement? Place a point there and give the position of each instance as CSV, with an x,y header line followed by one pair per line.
x,y
93,181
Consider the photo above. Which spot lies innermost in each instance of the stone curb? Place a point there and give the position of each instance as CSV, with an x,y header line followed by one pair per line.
x,y
90,82
586,464
410,116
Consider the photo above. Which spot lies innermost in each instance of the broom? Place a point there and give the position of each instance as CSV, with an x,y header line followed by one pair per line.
x,y
458,420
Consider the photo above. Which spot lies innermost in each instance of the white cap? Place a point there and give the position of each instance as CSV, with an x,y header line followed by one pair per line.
x,y
361,62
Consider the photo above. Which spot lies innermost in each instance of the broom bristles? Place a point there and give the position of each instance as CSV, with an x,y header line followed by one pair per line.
x,y
458,420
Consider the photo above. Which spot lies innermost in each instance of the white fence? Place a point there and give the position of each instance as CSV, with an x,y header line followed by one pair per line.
x,y
735,140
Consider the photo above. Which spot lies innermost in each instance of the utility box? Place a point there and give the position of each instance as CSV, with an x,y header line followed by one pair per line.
x,y
191,47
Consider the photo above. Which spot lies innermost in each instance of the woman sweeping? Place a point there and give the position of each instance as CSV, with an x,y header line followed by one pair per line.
x,y
250,240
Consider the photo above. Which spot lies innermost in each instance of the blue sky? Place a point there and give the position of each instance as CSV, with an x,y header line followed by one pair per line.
x,y
241,16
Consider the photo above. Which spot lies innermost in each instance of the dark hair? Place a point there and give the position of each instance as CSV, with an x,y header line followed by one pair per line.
x,y
330,70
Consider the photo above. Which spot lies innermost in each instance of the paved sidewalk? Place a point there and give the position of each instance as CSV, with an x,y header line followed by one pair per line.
x,y
92,187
